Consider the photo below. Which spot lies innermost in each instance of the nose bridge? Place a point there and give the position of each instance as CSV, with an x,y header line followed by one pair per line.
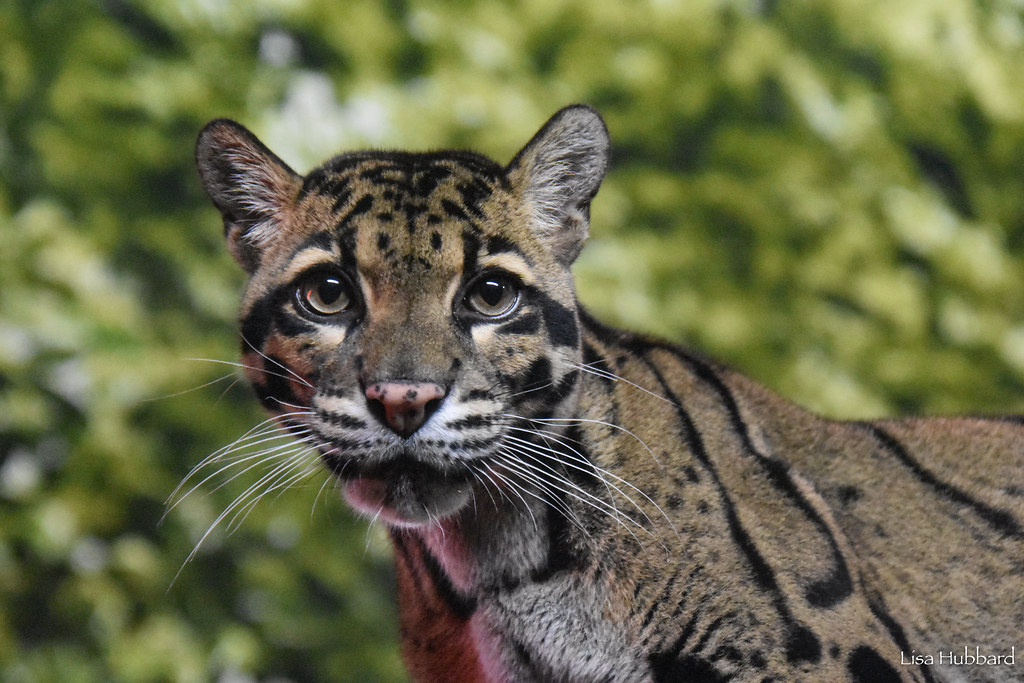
x,y
410,339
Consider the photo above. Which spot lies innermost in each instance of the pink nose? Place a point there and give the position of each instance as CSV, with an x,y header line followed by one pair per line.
x,y
405,405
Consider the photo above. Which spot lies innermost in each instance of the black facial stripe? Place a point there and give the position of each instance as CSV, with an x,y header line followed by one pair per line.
x,y
290,325
560,321
340,420
472,421
565,553
566,384
528,323
601,367
363,205
530,383
339,446
340,199
325,240
453,210
256,326
473,193
500,245
275,391
470,247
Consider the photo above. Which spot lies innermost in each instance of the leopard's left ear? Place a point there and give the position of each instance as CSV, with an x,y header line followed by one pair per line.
x,y
249,184
557,174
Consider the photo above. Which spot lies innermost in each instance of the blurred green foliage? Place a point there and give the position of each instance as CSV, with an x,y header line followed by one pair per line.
x,y
827,195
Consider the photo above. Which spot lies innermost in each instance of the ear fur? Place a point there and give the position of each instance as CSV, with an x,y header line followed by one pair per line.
x,y
558,172
249,185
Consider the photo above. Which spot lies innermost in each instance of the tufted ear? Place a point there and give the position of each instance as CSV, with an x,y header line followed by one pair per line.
x,y
558,173
248,184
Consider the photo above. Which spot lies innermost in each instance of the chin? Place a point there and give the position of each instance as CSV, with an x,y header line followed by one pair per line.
x,y
404,502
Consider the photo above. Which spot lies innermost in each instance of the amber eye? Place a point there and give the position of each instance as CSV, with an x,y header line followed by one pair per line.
x,y
324,293
492,295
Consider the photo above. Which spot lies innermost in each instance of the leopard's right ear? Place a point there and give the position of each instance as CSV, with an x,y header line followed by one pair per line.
x,y
250,186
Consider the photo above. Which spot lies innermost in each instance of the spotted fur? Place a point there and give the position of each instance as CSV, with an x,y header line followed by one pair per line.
x,y
582,503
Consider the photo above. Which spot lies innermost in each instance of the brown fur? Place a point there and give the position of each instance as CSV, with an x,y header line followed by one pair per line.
x,y
587,504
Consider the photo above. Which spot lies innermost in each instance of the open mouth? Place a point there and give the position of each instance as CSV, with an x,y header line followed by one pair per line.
x,y
406,492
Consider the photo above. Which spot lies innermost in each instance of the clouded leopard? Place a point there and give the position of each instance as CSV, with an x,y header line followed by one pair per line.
x,y
571,502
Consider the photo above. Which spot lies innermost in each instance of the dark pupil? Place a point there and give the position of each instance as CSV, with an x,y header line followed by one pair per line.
x,y
492,293
329,290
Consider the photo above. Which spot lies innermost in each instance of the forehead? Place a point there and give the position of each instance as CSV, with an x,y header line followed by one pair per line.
x,y
393,212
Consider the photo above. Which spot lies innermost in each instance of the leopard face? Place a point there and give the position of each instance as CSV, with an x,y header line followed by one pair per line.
x,y
410,316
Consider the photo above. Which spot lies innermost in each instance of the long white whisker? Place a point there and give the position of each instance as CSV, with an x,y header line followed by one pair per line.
x,y
288,474
587,467
588,464
265,371
264,431
544,481
253,488
189,391
267,358
510,459
255,459
583,420
571,488
299,449
515,489
599,372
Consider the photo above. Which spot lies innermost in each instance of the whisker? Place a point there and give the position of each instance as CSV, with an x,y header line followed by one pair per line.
x,y
544,481
606,374
245,366
261,433
582,420
260,457
189,391
582,495
281,475
586,467
252,489
515,489
288,475
267,358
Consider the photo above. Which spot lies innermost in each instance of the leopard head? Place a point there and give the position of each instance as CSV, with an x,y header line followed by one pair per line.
x,y
408,315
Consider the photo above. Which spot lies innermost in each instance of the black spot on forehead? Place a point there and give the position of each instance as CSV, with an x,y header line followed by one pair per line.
x,y
417,173
324,183
422,188
473,194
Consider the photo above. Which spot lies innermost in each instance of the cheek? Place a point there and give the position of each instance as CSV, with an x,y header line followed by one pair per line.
x,y
513,354
280,371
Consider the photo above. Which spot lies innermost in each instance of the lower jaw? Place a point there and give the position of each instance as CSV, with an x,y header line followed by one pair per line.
x,y
405,500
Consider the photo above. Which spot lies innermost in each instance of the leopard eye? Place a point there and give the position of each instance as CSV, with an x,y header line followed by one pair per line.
x,y
492,295
324,293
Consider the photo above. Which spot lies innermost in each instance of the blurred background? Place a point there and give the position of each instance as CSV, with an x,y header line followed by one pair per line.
x,y
828,195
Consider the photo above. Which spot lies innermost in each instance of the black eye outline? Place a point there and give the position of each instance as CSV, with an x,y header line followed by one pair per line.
x,y
474,303
310,294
